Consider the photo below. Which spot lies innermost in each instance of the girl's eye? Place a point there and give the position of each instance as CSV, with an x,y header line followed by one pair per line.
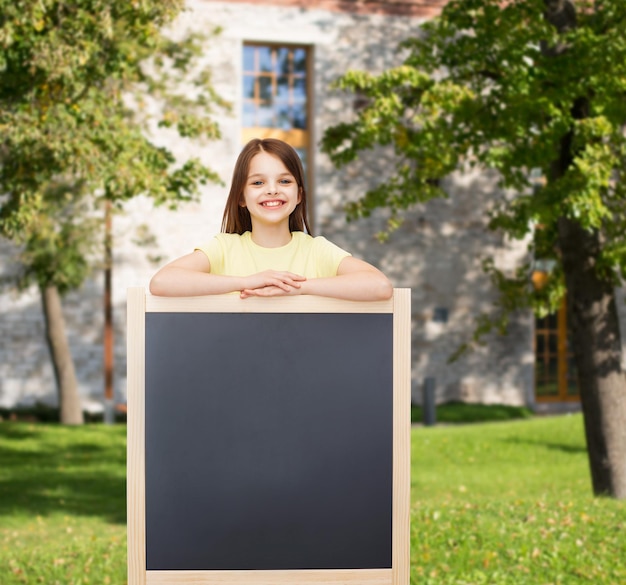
x,y
286,181
257,182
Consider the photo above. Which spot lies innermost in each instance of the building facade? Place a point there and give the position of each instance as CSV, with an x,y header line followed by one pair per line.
x,y
276,61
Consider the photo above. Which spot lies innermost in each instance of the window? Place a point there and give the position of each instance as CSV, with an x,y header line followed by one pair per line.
x,y
555,373
276,96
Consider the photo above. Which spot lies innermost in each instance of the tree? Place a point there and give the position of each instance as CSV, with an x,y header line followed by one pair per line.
x,y
55,255
78,81
525,87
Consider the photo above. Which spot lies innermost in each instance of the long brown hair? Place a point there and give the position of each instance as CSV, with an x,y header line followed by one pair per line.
x,y
236,218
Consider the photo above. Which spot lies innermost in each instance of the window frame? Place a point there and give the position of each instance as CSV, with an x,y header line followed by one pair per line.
x,y
562,351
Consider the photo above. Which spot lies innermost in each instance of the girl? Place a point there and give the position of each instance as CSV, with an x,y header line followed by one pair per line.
x,y
265,248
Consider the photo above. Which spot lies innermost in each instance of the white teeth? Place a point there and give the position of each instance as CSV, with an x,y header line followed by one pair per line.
x,y
272,203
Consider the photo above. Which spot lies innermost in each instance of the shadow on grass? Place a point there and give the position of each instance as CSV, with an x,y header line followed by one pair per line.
x,y
563,447
75,477
13,432
466,413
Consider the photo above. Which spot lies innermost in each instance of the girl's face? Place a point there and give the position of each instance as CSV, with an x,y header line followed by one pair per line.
x,y
271,192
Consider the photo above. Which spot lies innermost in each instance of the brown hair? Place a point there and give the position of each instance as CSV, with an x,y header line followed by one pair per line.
x,y
236,218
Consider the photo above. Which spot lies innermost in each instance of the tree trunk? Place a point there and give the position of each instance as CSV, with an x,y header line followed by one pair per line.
x,y
71,412
109,346
592,315
597,349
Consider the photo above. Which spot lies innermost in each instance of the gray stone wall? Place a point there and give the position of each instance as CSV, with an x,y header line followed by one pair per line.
x,y
437,252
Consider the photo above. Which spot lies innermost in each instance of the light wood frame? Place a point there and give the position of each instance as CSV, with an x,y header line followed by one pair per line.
x,y
400,306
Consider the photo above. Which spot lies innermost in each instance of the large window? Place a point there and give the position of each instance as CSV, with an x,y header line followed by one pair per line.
x,y
275,94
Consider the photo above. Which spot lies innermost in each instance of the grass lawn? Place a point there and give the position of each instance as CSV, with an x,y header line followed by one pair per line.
x,y
510,503
498,503
62,504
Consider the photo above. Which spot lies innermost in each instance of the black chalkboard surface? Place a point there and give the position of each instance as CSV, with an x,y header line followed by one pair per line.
x,y
268,444
268,441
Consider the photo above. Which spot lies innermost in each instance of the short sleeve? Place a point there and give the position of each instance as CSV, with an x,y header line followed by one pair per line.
x,y
328,257
214,251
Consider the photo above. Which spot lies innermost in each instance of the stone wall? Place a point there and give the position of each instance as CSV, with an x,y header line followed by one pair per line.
x,y
413,8
437,252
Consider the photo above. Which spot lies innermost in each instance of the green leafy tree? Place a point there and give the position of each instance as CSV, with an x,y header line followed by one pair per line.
x,y
528,88
82,83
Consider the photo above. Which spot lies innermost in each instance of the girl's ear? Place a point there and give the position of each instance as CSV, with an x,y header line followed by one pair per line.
x,y
242,202
299,194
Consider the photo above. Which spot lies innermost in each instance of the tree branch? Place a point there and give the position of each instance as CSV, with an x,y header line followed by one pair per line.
x,y
561,14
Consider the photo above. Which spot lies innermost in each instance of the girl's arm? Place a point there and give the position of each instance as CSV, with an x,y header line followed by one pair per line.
x,y
356,280
191,276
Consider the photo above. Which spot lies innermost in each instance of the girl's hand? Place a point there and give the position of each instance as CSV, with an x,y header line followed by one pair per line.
x,y
268,291
271,283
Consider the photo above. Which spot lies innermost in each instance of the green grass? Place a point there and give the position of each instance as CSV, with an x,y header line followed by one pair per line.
x,y
510,503
494,503
62,504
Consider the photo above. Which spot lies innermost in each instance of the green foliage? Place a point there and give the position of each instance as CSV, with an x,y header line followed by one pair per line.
x,y
59,243
81,85
463,412
497,85
44,413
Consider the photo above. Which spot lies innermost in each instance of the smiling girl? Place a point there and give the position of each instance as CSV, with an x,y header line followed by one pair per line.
x,y
265,247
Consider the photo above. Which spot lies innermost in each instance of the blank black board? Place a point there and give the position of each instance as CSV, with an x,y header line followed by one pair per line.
x,y
269,440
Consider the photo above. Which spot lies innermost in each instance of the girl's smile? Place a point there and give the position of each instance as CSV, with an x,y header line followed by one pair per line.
x,y
270,187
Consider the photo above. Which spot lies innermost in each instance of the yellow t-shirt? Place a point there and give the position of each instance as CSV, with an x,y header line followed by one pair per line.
x,y
238,255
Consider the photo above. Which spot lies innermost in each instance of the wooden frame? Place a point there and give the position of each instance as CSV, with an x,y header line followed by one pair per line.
x,y
138,305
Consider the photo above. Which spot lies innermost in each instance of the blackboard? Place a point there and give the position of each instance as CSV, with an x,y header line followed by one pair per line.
x,y
264,440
